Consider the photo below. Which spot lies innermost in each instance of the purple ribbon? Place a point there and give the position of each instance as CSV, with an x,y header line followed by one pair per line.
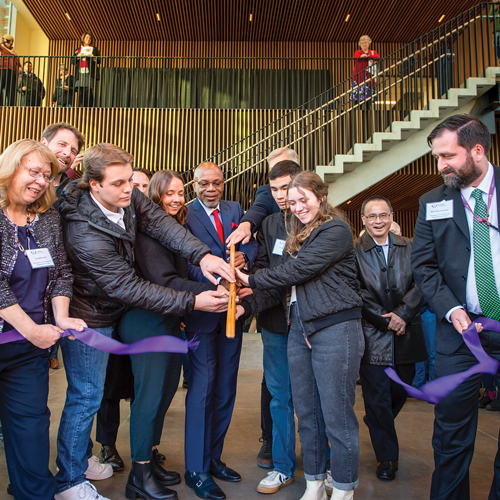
x,y
161,343
436,390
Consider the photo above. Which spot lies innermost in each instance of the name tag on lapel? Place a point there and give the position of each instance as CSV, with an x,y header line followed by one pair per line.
x,y
439,210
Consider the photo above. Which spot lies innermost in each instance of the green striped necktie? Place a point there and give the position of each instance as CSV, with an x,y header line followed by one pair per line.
x,y
483,262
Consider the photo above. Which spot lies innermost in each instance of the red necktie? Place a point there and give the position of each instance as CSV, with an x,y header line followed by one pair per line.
x,y
218,225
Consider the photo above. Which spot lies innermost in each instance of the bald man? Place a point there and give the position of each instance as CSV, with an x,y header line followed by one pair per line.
x,y
214,364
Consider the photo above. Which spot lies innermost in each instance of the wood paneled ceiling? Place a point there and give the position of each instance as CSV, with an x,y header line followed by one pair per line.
x,y
229,20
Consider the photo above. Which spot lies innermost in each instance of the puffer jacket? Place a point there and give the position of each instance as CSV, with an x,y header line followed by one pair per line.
x,y
324,273
102,256
389,287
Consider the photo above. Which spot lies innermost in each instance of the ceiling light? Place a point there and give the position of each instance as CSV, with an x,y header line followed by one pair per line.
x,y
67,16
251,16
157,16
347,202
441,18
347,17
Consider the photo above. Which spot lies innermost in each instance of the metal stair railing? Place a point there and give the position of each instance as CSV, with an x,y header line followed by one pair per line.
x,y
332,122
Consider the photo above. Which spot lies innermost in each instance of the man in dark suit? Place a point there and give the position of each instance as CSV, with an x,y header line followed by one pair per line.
x,y
456,264
214,364
263,205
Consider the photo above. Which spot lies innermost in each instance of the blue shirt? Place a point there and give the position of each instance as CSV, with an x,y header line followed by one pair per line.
x,y
27,284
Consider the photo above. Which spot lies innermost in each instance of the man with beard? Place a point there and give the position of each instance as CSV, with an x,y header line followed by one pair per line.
x,y
65,141
456,265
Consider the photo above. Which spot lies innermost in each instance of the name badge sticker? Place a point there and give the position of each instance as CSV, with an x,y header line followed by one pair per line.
x,y
39,258
279,246
439,210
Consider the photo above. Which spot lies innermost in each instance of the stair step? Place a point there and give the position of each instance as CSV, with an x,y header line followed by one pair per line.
x,y
400,131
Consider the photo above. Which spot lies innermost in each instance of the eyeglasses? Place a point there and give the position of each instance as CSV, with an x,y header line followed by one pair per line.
x,y
374,217
36,172
204,184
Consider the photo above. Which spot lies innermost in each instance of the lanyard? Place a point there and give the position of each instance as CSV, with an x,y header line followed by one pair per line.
x,y
490,197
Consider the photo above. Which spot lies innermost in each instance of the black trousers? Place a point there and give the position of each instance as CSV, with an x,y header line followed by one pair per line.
x,y
108,422
455,425
8,82
383,401
24,389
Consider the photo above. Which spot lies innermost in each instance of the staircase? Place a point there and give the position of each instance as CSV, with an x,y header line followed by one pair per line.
x,y
352,145
405,141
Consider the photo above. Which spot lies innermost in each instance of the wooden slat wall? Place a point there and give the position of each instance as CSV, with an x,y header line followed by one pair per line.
x,y
157,138
228,20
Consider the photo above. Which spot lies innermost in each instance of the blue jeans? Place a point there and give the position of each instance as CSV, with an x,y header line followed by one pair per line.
x,y
323,387
85,372
24,388
429,329
278,382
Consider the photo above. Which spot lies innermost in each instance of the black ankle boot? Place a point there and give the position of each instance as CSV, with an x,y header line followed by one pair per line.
x,y
143,484
166,477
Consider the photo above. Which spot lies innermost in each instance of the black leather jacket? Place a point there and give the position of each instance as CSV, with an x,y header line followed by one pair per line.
x,y
102,256
324,272
389,288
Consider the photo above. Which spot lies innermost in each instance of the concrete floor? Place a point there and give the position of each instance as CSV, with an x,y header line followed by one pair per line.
x,y
414,426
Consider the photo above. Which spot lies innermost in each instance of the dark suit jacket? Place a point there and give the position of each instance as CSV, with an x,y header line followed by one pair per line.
x,y
440,261
263,206
200,225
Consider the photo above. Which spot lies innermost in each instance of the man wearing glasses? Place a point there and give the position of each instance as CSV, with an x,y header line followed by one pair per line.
x,y
391,325
214,364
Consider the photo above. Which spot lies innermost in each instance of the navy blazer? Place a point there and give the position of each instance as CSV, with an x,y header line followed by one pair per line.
x,y
200,225
263,206
440,260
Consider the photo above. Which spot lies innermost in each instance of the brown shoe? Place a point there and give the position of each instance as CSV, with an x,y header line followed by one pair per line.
x,y
54,364
265,456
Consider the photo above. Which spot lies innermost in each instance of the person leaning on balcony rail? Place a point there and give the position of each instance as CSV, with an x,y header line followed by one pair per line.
x,y
30,87
9,69
86,59
64,93
34,300
364,71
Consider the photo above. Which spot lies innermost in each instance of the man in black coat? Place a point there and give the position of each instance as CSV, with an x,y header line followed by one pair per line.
x,y
101,216
391,325
456,263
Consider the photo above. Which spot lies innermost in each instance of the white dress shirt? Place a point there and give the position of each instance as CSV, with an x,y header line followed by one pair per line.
x,y
116,217
471,290
210,213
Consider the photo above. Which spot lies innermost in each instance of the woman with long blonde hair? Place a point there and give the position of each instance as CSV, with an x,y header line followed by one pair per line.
x,y
35,291
318,282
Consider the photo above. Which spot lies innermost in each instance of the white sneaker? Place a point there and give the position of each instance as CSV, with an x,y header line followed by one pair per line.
x,y
96,471
82,491
273,482
328,483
